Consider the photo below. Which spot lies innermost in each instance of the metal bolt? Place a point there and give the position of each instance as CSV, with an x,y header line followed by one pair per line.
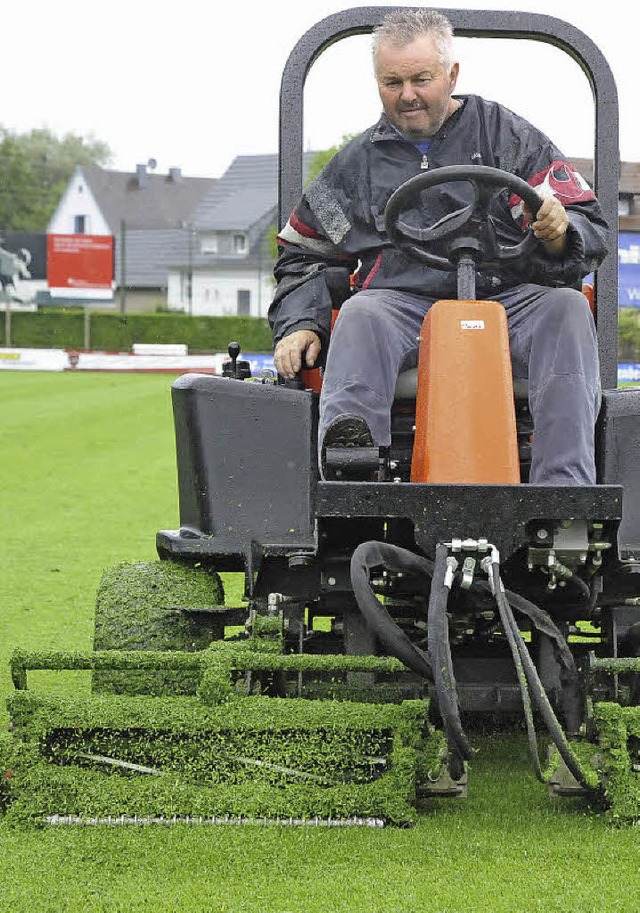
x,y
331,581
542,534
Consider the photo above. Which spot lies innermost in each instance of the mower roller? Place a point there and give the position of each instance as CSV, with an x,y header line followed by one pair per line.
x,y
381,617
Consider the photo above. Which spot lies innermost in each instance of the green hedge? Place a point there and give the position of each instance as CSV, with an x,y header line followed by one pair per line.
x,y
65,329
629,334
45,329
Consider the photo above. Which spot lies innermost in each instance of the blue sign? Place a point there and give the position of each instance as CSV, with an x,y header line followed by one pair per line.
x,y
629,269
261,363
628,372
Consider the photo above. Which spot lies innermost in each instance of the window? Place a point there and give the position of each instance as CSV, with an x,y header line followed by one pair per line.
x,y
80,225
239,244
244,302
209,244
625,206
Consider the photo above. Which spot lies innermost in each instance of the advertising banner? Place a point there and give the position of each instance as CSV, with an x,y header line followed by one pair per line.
x,y
628,269
80,262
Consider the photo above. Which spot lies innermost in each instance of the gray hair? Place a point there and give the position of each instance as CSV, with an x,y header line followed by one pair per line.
x,y
402,26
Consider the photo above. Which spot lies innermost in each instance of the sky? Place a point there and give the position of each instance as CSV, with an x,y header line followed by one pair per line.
x,y
192,85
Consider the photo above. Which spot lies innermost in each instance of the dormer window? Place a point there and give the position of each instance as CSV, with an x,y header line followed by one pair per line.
x,y
239,244
209,244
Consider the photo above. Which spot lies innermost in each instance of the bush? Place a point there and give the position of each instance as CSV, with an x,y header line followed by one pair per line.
x,y
629,334
60,329
64,329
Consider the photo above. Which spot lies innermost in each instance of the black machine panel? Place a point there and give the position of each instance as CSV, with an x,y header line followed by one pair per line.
x,y
247,462
619,460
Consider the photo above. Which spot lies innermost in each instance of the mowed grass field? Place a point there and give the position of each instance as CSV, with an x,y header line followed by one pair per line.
x,y
88,476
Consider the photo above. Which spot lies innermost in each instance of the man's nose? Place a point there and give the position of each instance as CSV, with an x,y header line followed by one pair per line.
x,y
408,93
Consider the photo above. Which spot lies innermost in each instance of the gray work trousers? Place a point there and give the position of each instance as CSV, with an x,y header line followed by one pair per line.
x,y
553,344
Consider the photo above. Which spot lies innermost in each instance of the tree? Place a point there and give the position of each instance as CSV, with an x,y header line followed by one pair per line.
x,y
317,163
324,156
34,170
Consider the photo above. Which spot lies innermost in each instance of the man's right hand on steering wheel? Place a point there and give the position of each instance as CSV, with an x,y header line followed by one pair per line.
x,y
550,225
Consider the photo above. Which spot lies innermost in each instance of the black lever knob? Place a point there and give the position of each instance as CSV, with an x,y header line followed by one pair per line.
x,y
234,351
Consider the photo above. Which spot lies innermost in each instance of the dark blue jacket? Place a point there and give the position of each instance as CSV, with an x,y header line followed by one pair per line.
x,y
340,219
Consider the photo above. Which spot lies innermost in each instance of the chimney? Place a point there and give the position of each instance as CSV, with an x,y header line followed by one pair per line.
x,y
141,176
175,175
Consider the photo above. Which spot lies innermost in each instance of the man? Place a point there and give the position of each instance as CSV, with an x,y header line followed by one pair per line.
x,y
339,222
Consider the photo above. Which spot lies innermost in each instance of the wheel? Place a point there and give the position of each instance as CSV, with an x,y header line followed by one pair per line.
x,y
140,606
468,228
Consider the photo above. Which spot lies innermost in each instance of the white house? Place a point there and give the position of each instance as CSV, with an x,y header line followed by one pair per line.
x,y
145,212
229,263
198,245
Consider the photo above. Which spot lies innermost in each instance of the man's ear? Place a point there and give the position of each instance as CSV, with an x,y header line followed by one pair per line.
x,y
453,75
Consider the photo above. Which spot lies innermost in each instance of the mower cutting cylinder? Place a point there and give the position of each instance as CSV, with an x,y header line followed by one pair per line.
x,y
460,342
219,757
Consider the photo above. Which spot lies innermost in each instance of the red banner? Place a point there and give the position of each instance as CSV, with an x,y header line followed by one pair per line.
x,y
80,261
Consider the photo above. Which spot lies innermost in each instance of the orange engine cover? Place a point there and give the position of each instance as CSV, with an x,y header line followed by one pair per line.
x,y
465,415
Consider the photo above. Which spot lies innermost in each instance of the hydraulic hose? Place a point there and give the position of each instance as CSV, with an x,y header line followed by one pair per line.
x,y
532,683
367,556
540,620
436,666
442,664
506,617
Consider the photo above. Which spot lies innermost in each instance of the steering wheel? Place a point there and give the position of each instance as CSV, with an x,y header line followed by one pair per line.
x,y
469,229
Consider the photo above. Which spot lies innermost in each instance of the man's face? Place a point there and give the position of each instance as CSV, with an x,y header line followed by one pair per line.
x,y
414,87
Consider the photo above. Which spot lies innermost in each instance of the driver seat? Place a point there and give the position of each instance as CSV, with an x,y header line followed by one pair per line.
x,y
407,383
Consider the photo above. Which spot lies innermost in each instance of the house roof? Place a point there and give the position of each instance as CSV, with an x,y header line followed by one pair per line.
x,y
245,192
144,200
244,199
149,256
241,209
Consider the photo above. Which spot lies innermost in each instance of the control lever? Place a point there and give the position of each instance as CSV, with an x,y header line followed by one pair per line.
x,y
235,369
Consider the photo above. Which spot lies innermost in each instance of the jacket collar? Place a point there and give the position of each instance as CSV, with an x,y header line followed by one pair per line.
x,y
384,130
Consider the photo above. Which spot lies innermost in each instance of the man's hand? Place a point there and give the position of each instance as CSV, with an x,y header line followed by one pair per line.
x,y
289,351
550,225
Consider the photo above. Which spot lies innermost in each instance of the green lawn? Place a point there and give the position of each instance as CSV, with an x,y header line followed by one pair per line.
x,y
88,477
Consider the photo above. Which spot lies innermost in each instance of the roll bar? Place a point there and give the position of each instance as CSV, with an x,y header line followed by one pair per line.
x,y
476,24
